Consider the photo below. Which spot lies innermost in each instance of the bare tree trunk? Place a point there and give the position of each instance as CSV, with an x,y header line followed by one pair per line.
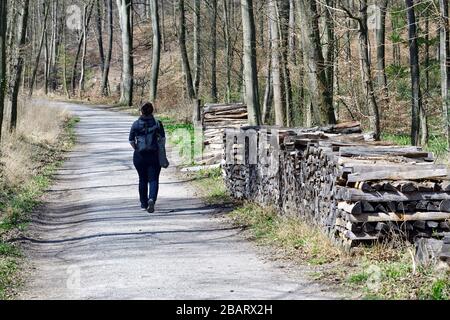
x,y
424,132
47,62
318,84
184,55
348,35
105,76
283,26
366,69
278,90
75,64
291,32
260,32
249,63
11,37
39,51
175,5
336,83
65,87
99,26
3,34
445,66
163,26
213,51
197,53
85,22
415,73
228,48
18,65
331,47
33,39
56,39
396,40
268,92
427,52
381,50
156,49
125,15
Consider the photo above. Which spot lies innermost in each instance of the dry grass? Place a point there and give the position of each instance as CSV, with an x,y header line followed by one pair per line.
x,y
42,124
383,271
38,131
181,113
210,185
298,239
29,158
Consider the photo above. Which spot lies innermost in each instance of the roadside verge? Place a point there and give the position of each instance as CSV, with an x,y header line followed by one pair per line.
x,y
29,159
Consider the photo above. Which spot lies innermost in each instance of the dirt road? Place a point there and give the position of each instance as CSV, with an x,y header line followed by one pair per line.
x,y
91,241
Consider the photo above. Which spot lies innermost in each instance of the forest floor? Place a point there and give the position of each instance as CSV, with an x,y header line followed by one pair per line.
x,y
91,241
384,270
29,157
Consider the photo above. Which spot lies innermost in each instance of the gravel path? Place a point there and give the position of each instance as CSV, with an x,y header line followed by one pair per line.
x,y
91,241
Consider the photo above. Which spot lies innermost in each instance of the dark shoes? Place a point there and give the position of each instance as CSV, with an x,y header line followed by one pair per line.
x,y
151,206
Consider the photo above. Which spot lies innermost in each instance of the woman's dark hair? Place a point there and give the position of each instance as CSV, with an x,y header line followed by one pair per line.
x,y
147,109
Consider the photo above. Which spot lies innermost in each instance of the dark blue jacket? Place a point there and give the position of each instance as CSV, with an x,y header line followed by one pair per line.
x,y
139,126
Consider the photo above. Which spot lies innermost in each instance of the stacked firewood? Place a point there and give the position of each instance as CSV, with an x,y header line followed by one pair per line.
x,y
357,189
215,118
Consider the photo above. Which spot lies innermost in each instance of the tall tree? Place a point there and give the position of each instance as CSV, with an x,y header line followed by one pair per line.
x,y
55,45
284,25
197,53
39,49
213,51
424,129
416,104
291,31
3,28
249,63
163,26
87,13
75,63
445,65
64,52
366,67
110,23
268,92
156,49
183,49
331,45
381,48
18,62
228,47
396,34
126,25
278,82
99,27
11,34
320,96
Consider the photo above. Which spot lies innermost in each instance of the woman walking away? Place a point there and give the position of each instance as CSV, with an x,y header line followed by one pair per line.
x,y
144,137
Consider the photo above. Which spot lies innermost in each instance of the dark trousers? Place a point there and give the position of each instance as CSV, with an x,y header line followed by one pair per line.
x,y
149,170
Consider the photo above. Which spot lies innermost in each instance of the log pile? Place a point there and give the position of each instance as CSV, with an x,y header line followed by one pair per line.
x,y
357,189
215,118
